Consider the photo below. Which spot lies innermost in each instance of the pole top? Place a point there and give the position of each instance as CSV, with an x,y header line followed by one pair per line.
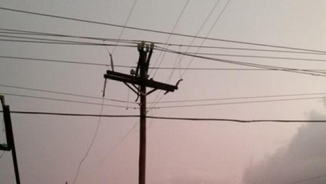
x,y
141,46
148,46
2,99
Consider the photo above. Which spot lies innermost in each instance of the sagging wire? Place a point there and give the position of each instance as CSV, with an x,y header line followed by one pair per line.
x,y
128,95
3,152
91,145
99,120
116,145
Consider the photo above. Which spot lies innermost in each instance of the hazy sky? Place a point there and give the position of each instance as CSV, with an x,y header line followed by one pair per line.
x,y
49,148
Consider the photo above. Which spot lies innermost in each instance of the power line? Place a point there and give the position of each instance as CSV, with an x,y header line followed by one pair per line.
x,y
178,101
57,41
3,152
252,64
64,100
232,69
157,31
15,31
61,93
219,16
37,33
66,43
260,57
209,32
116,145
167,40
241,98
233,103
60,61
45,39
120,34
169,118
91,144
126,66
200,28
239,48
193,39
101,111
126,22
198,31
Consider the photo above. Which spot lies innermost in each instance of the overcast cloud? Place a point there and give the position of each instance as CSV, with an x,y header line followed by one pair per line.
x,y
302,161
37,77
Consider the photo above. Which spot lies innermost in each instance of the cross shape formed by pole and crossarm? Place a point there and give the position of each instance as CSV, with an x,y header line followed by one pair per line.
x,y
136,78
138,81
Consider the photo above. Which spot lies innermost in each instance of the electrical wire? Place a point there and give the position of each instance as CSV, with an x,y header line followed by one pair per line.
x,y
202,41
67,43
200,29
176,63
168,118
61,93
164,102
125,24
60,61
15,31
209,32
171,106
38,33
152,120
57,41
64,100
120,34
167,40
116,145
157,31
46,39
126,66
233,69
193,39
242,102
105,82
164,53
253,64
3,152
156,102
260,57
241,98
238,48
91,144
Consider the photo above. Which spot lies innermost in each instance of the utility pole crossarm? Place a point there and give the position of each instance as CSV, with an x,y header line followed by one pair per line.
x,y
137,80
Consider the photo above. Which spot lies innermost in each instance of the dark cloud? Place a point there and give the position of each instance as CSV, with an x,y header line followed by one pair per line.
x,y
302,161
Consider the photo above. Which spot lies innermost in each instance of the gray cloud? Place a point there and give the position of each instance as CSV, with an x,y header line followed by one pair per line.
x,y
191,177
302,161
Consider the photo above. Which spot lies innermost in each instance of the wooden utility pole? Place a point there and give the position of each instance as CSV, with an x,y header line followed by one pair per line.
x,y
138,82
142,133
10,146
